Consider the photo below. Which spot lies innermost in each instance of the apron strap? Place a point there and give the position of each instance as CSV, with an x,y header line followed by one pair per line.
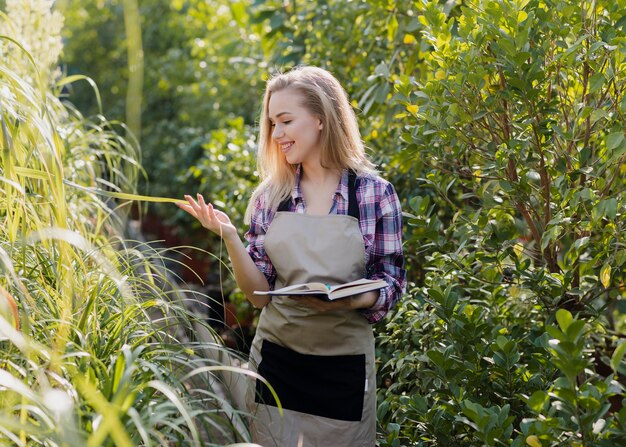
x,y
353,204
285,205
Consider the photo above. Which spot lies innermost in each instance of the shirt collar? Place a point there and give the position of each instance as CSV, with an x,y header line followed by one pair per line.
x,y
297,191
342,187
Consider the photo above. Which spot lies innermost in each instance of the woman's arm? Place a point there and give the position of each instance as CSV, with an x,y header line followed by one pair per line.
x,y
249,278
386,260
247,275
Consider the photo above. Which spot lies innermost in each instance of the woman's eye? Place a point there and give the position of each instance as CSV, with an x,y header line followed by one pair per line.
x,y
286,122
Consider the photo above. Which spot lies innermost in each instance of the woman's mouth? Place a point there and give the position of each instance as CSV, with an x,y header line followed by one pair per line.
x,y
286,146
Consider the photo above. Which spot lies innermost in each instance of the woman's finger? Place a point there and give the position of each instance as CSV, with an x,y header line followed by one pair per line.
x,y
192,203
212,213
201,201
187,208
192,208
204,212
203,209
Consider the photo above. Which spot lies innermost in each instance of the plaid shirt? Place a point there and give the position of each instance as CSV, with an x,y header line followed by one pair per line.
x,y
380,223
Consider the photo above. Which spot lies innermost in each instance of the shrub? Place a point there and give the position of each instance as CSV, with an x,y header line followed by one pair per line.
x,y
103,355
518,122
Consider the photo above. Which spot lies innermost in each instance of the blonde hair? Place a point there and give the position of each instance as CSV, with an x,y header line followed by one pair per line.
x,y
340,140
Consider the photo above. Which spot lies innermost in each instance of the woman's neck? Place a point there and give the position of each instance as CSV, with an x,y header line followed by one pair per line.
x,y
314,173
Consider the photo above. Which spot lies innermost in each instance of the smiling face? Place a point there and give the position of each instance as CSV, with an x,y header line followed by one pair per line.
x,y
295,130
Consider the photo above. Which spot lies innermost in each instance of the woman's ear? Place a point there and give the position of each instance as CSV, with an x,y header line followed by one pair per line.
x,y
320,125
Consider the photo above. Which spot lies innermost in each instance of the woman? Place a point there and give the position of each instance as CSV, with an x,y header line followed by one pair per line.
x,y
320,214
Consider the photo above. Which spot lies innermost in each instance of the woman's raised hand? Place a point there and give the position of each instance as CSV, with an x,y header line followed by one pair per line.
x,y
210,218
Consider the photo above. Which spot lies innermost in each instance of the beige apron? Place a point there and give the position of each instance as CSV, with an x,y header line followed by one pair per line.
x,y
320,364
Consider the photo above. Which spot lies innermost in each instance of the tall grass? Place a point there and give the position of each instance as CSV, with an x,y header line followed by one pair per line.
x,y
105,354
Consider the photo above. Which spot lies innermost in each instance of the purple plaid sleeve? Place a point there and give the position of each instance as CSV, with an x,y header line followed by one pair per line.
x,y
381,225
259,223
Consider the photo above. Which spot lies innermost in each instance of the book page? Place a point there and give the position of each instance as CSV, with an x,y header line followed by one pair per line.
x,y
316,287
357,287
358,282
324,290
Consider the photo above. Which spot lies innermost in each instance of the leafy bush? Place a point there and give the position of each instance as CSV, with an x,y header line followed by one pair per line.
x,y
104,353
203,68
519,126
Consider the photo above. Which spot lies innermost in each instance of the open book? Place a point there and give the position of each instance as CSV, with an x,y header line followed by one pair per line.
x,y
326,291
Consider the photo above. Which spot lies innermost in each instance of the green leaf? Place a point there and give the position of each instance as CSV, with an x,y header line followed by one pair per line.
x,y
419,403
564,319
120,365
238,10
555,333
610,208
583,241
596,82
620,258
383,409
550,235
392,28
614,140
123,195
605,275
437,358
533,441
501,341
575,330
435,293
537,401
598,114
618,355
382,70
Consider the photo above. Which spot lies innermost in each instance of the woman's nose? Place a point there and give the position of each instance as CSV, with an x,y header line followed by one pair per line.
x,y
277,131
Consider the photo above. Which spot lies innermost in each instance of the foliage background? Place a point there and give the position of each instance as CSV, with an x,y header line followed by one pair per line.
x,y
503,132
100,346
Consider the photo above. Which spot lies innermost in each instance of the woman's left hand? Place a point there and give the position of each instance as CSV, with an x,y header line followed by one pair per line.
x,y
362,301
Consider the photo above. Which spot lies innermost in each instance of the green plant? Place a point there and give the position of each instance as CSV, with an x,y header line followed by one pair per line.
x,y
202,68
104,354
577,406
518,123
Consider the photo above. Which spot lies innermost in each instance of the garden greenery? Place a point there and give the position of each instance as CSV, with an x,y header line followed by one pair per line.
x,y
501,124
102,352
514,335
